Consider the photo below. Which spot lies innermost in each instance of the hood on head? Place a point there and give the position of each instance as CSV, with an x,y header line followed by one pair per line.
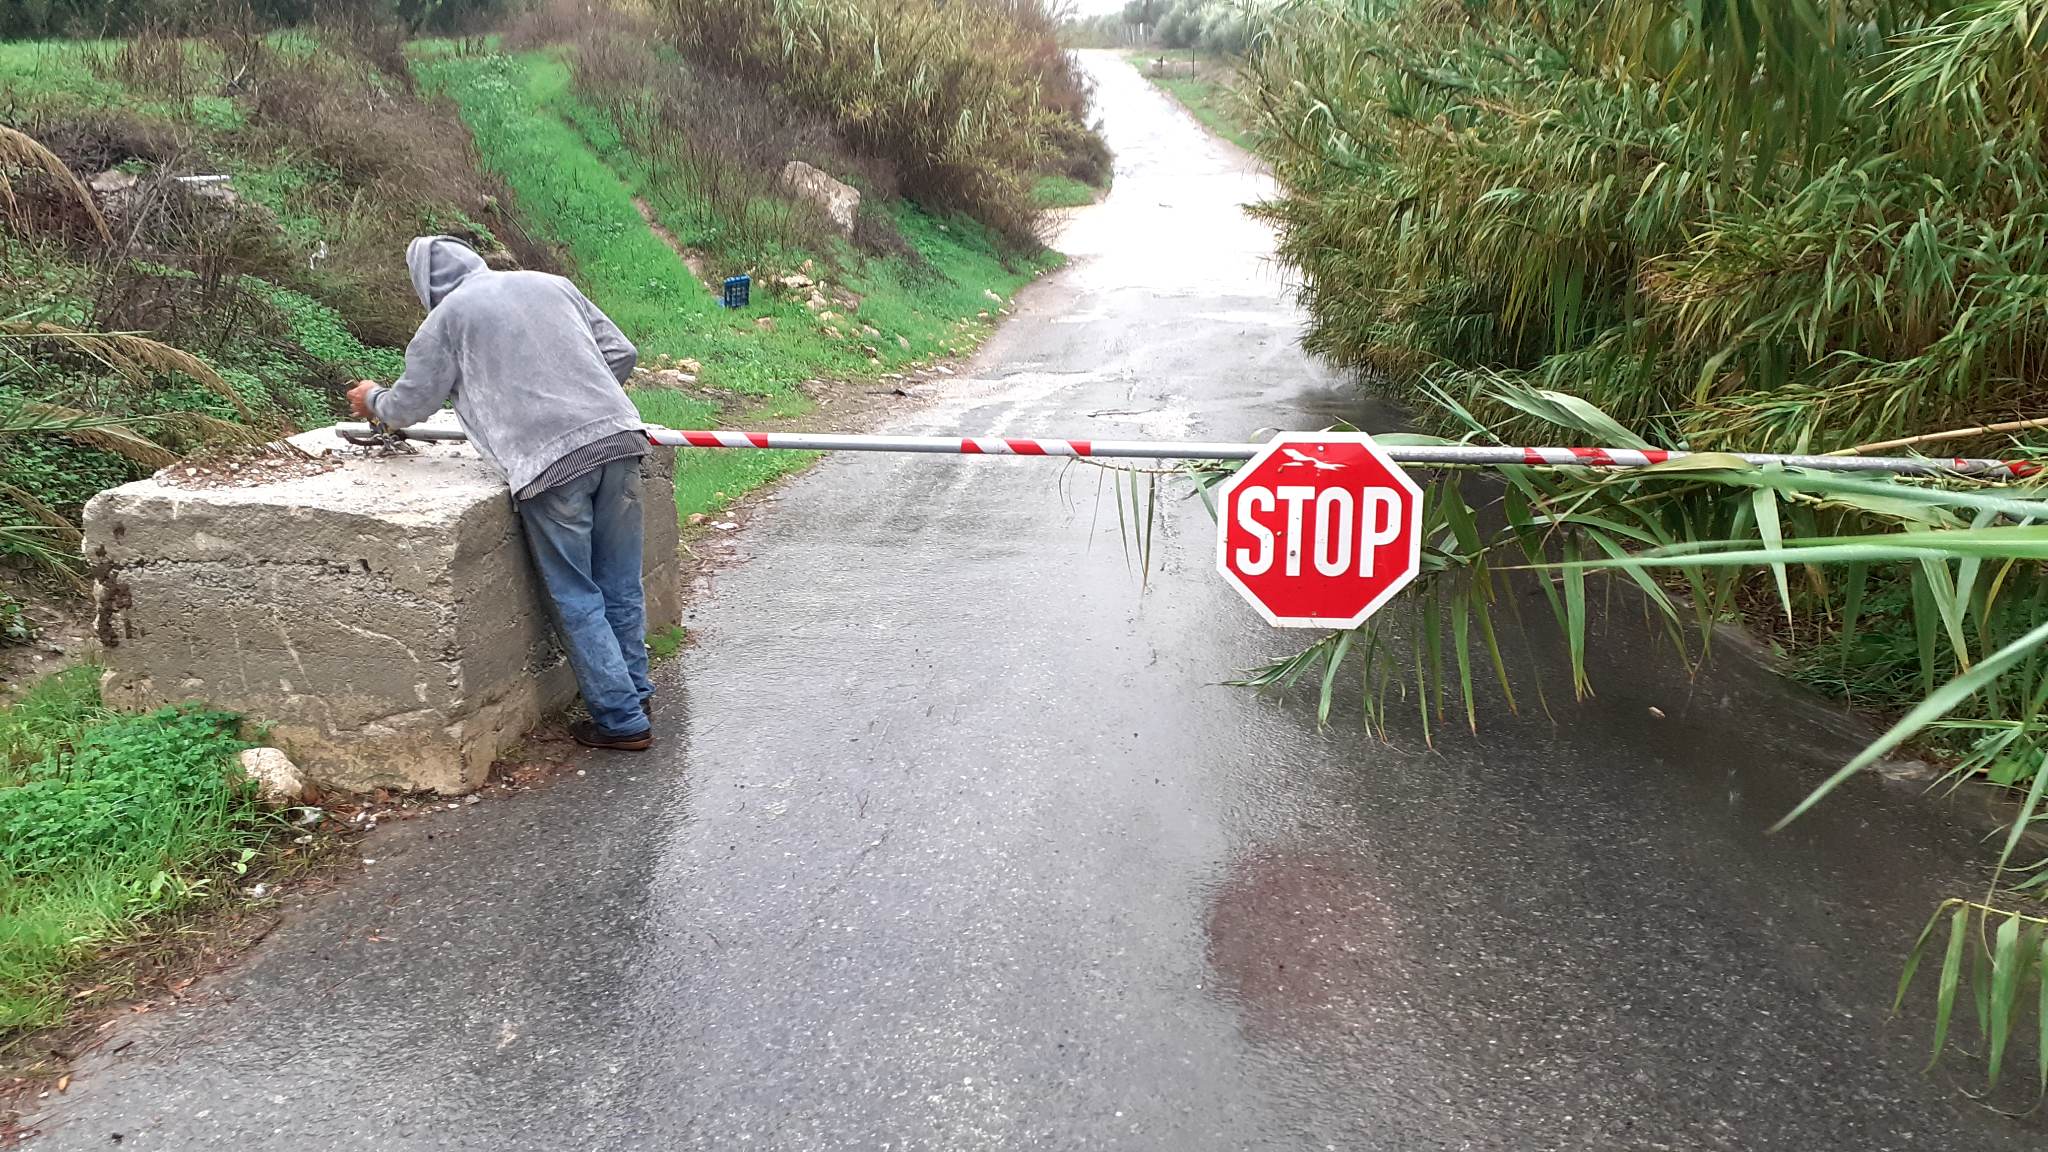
x,y
438,264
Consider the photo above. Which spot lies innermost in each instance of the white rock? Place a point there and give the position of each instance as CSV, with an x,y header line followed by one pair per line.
x,y
114,180
275,775
841,202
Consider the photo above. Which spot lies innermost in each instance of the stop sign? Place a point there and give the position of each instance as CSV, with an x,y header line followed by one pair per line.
x,y
1319,529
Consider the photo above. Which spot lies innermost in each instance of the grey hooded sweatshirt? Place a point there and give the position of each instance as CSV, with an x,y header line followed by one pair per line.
x,y
534,367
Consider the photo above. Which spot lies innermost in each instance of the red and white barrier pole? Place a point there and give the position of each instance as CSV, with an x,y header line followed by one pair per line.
x,y
1423,454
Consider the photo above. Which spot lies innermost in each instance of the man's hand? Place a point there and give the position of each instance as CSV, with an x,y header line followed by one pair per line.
x,y
359,399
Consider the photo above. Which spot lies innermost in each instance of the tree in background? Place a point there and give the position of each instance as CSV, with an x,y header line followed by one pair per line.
x,y
1218,27
1144,14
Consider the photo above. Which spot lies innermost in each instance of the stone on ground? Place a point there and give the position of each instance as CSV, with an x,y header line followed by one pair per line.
x,y
276,777
841,202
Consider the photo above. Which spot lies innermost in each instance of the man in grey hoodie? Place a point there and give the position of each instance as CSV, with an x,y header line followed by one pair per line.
x,y
536,373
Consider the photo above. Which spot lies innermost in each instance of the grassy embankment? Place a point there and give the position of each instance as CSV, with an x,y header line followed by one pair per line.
x,y
286,311
576,181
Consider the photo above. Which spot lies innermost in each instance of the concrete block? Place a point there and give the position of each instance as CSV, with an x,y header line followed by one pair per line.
x,y
383,617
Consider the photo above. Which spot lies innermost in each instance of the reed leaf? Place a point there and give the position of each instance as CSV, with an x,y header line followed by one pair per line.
x,y
19,150
131,355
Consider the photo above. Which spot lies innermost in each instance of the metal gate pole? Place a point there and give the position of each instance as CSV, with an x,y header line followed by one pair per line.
x,y
1462,454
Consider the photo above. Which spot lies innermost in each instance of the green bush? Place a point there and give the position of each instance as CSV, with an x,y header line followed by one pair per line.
x,y
105,821
1762,225
138,788
1782,226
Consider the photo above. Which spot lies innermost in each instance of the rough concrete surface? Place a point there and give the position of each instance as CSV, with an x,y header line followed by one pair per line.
x,y
383,617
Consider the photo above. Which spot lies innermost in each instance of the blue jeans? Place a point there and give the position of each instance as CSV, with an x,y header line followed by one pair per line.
x,y
585,539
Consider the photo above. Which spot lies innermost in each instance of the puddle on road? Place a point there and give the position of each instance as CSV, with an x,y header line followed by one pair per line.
x,y
1327,403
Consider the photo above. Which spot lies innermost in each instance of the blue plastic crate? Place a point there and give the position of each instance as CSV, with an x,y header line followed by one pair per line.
x,y
737,289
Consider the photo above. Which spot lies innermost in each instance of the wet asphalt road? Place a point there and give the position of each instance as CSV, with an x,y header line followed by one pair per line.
x,y
955,843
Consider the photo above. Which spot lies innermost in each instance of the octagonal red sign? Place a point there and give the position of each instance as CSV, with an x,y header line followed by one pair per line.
x,y
1319,529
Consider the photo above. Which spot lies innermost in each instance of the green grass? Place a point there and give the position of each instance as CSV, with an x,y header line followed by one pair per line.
x,y
51,714
708,480
663,645
576,180
58,76
42,76
1055,191
1208,95
105,821
281,348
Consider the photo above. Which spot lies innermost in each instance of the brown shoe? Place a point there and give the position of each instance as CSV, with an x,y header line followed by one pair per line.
x,y
591,736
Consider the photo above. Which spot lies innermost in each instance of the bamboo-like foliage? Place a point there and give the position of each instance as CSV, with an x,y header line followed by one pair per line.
x,y
133,356
1760,223
1797,225
19,150
1683,536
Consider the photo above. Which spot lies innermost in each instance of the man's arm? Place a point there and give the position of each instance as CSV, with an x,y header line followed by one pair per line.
x,y
431,373
619,352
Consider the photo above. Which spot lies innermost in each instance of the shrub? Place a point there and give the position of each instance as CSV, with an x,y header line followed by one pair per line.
x,y
41,18
1081,153
106,820
961,99
1764,225
1840,245
136,788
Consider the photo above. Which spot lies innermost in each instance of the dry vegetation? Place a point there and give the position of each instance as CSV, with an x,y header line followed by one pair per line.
x,y
231,296
966,102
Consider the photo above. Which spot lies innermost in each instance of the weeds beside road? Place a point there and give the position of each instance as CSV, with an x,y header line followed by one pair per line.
x,y
106,821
